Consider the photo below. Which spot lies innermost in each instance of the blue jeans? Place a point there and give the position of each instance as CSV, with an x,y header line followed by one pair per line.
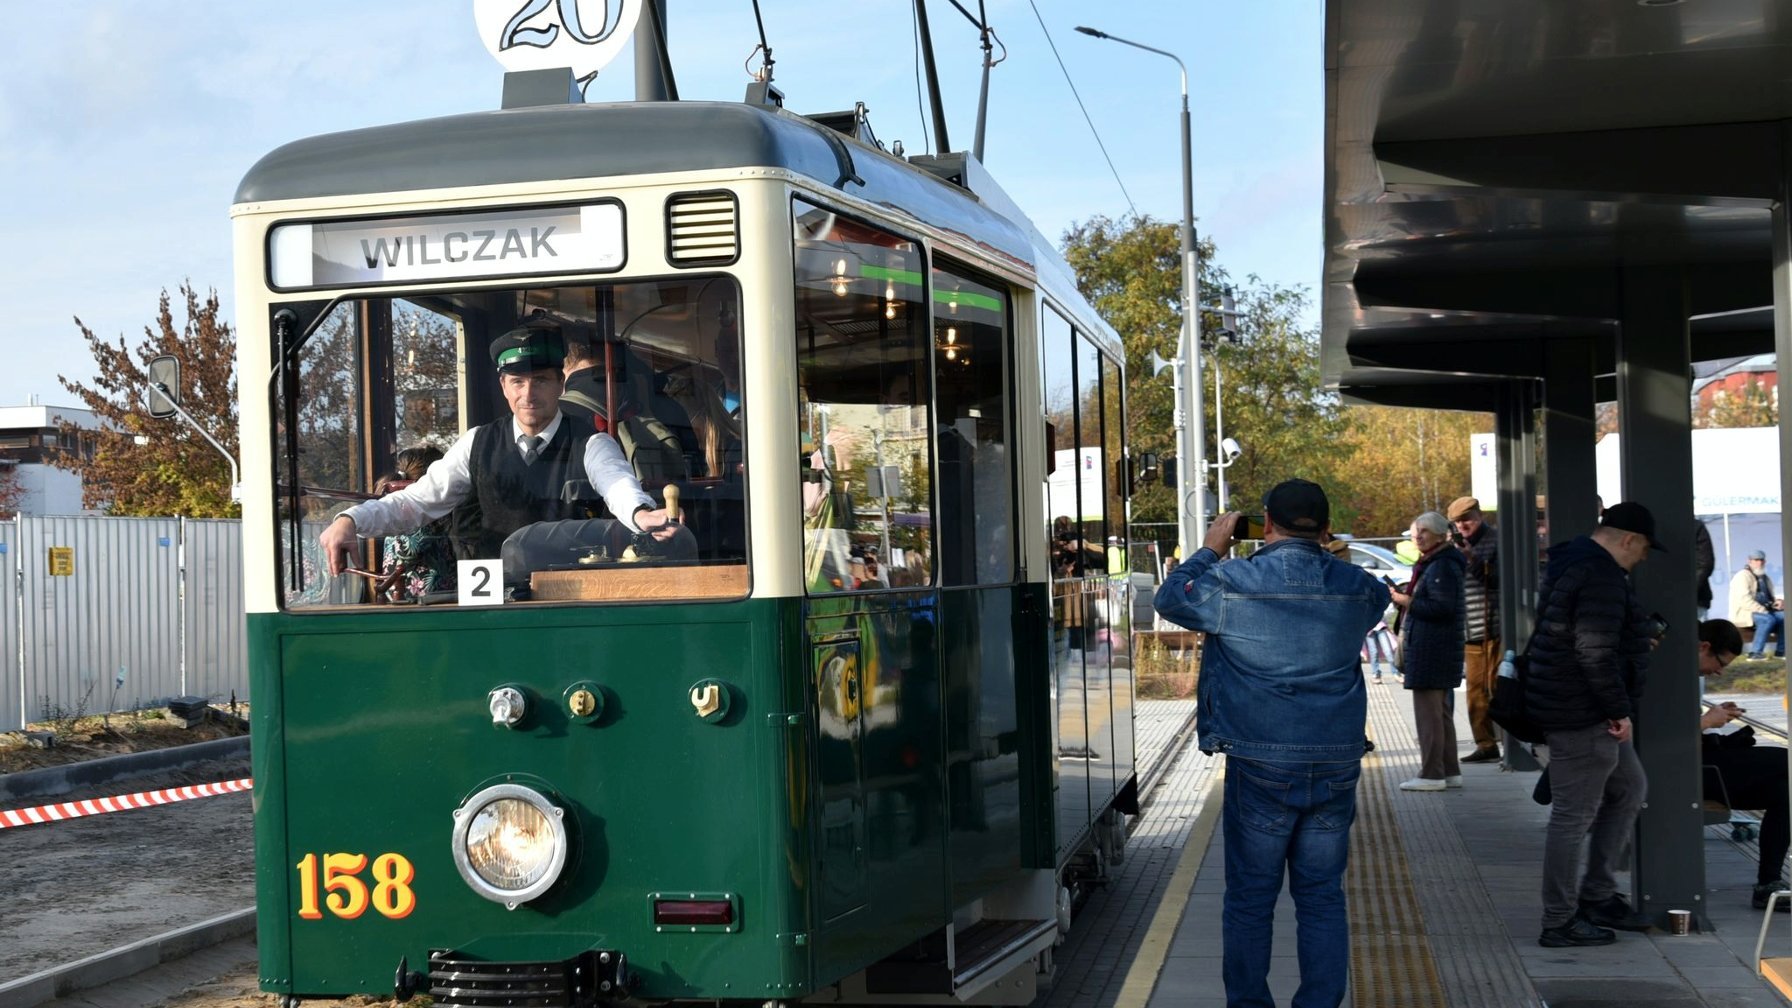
x,y
1293,818
1767,623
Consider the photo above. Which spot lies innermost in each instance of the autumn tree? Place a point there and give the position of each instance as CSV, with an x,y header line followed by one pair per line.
x,y
1131,271
1754,404
147,467
1395,464
12,492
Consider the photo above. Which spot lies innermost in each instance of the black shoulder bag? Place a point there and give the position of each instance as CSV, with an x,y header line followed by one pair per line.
x,y
1507,705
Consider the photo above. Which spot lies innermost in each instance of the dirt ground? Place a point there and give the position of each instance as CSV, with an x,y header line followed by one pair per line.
x,y
93,737
80,887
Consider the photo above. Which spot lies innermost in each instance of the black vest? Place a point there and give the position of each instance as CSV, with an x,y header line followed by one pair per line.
x,y
511,493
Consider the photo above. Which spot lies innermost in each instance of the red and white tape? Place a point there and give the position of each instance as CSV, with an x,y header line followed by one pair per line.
x,y
99,806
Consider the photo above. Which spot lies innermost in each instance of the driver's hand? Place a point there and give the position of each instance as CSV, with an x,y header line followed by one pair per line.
x,y
1221,533
656,523
338,543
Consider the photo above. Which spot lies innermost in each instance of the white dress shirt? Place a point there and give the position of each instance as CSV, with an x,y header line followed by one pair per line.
x,y
448,483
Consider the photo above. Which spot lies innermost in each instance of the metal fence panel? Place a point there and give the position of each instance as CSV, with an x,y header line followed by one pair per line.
x,y
217,648
103,633
12,697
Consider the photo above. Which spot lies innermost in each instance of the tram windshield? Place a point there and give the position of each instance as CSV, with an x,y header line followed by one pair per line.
x,y
392,409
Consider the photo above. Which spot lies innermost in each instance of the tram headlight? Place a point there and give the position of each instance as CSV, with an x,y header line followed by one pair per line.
x,y
509,843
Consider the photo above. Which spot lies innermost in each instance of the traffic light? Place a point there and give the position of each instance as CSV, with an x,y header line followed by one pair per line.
x,y
1167,465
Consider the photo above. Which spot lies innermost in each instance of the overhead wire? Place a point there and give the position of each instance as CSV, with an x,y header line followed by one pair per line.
x,y
1079,104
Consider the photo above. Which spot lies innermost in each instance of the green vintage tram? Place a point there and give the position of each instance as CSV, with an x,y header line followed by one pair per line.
x,y
864,747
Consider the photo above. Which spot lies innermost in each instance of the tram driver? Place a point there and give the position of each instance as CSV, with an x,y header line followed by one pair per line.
x,y
513,468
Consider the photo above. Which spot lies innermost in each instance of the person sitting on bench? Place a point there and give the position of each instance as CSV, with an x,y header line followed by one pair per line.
x,y
1748,776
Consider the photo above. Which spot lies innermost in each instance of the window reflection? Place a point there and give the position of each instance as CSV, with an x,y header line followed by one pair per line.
x,y
863,386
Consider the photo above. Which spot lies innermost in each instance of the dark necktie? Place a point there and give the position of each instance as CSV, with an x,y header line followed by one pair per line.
x,y
531,448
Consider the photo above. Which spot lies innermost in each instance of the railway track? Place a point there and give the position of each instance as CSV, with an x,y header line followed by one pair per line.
x,y
209,964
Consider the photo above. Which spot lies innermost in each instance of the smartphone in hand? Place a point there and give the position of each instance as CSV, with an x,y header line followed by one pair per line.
x,y
1250,526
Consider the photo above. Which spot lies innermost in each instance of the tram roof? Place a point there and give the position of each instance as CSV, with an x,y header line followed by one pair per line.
x,y
1492,169
607,140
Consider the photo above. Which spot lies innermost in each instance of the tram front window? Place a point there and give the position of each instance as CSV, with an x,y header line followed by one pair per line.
x,y
394,410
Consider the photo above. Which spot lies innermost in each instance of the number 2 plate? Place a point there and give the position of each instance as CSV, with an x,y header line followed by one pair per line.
x,y
481,582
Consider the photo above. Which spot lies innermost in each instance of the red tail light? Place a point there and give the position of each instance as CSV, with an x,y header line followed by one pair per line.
x,y
692,912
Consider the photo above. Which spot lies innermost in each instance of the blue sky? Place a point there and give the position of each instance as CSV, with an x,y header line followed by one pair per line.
x,y
125,125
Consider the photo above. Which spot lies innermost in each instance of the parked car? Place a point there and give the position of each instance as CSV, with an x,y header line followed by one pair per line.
x,y
1379,561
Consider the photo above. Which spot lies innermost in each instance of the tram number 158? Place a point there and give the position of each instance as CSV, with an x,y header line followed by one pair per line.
x,y
346,895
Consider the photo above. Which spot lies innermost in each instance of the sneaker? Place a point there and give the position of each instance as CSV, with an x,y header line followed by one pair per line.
x,y
1576,932
1613,912
1483,756
1766,889
1378,678
1423,784
1455,781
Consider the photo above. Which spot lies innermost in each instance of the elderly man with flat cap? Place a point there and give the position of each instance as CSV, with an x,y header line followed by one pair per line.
x,y
1281,694
1479,544
513,467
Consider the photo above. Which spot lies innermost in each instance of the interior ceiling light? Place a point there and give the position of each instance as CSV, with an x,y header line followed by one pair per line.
x,y
1659,3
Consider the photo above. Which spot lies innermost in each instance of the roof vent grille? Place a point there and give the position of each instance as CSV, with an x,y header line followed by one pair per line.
x,y
702,229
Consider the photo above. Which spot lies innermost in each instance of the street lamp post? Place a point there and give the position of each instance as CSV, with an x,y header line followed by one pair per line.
x,y
1191,438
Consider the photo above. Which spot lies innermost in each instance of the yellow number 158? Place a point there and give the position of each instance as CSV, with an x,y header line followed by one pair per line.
x,y
346,895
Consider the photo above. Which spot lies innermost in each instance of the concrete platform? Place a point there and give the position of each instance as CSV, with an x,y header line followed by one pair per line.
x,y
1472,860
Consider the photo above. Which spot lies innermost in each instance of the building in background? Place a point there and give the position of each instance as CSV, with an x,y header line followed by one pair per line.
x,y
30,437
1713,381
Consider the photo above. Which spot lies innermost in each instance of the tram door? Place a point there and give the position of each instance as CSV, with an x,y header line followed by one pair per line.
x,y
1090,675
870,608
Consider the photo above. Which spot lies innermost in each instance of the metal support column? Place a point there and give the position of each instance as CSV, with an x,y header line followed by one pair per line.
x,y
1655,419
1782,332
1516,440
1569,477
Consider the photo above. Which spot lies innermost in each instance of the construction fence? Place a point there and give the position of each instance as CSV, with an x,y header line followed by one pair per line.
x,y
114,614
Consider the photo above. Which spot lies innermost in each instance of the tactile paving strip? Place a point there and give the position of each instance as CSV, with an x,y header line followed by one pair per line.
x,y
1411,877
1390,960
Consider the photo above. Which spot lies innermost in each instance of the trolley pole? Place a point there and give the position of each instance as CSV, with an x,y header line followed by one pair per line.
x,y
1191,433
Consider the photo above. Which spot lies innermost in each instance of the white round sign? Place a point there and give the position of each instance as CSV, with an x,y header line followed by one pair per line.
x,y
541,34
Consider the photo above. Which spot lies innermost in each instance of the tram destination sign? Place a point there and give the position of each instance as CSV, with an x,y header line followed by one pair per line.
x,y
459,246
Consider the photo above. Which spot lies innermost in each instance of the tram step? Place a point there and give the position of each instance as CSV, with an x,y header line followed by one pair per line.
x,y
979,947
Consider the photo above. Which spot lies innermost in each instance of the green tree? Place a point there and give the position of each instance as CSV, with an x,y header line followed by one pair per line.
x,y
142,466
1131,271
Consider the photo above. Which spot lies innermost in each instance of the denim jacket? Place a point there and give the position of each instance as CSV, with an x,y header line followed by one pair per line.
x,y
1279,674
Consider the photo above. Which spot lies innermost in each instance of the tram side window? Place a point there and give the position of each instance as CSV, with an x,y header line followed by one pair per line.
x,y
863,349
976,468
656,364
1062,501
1090,466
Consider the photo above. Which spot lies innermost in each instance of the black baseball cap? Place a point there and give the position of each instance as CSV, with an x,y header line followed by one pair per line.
x,y
1298,506
1629,516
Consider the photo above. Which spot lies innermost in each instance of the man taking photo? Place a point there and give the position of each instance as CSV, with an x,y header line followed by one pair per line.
x,y
1281,694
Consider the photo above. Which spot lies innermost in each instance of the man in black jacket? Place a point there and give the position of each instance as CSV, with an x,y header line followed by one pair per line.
x,y
1586,670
